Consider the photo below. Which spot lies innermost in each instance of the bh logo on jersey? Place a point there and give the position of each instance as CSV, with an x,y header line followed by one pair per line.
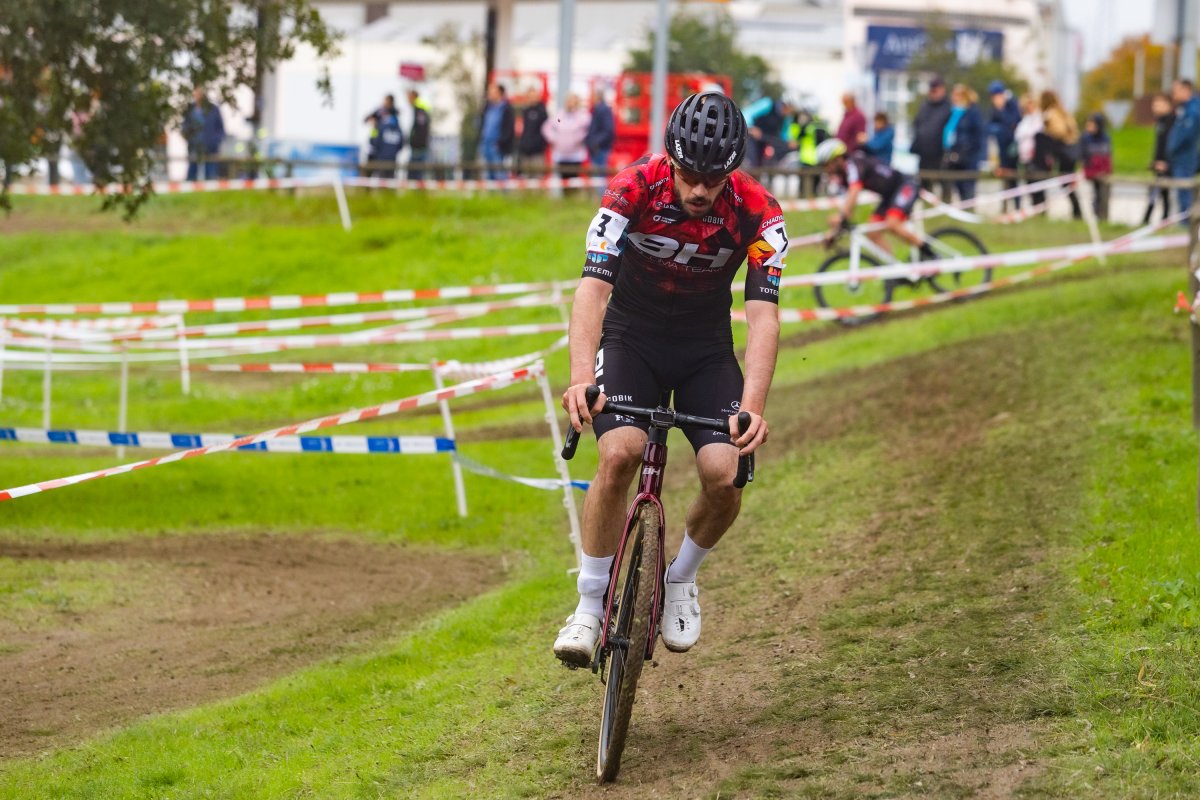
x,y
666,248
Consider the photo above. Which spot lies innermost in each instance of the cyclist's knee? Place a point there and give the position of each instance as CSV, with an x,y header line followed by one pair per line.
x,y
620,454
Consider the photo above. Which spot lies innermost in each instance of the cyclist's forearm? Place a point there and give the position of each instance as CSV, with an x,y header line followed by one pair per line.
x,y
587,318
851,202
762,347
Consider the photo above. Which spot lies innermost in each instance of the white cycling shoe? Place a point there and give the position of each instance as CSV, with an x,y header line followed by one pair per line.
x,y
576,642
680,625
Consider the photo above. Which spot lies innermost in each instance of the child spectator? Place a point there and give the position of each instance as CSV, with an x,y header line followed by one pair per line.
x,y
1095,148
882,142
1026,137
1164,118
964,139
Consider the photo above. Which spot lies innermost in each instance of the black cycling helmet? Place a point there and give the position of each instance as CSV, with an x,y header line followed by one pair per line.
x,y
707,134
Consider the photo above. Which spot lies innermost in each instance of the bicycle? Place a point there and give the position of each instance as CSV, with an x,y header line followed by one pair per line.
x,y
633,602
946,242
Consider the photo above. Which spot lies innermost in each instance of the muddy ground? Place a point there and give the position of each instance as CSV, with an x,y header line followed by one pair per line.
x,y
198,618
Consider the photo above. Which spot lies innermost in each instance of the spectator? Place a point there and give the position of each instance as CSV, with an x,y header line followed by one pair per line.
x,y
1184,138
1026,139
497,132
883,141
853,130
1095,149
810,132
601,133
964,140
1164,118
386,140
1056,145
204,131
929,127
1002,128
765,119
566,134
531,148
418,135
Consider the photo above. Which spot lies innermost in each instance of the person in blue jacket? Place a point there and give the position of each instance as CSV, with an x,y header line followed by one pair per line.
x,y
1002,127
204,131
1184,137
883,140
601,133
964,139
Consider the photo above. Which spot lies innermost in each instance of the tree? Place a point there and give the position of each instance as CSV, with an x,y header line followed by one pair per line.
x,y
461,67
1113,80
938,56
699,44
110,77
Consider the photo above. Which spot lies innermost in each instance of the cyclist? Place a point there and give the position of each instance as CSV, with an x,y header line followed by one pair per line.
x,y
651,314
897,192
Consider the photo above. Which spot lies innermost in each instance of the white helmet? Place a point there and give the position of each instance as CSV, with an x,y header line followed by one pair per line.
x,y
830,149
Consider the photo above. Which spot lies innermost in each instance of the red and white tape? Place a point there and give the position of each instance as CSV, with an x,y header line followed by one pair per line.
x,y
173,187
286,302
499,185
273,344
1127,244
498,381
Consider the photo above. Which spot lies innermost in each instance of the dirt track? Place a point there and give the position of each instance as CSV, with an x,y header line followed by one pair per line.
x,y
204,617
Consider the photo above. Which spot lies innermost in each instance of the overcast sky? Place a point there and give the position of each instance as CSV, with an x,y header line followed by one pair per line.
x,y
1104,23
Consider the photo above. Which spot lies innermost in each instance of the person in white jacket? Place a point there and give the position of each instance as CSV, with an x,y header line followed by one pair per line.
x,y
1026,135
566,132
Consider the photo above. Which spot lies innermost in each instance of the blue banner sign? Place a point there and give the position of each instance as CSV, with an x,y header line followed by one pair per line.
x,y
890,47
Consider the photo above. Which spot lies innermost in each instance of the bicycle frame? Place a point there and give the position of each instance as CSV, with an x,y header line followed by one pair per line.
x,y
654,464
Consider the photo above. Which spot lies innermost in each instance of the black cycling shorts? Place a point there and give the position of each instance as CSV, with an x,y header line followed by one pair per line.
x,y
900,203
641,370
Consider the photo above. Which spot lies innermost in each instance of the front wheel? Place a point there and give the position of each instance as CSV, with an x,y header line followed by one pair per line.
x,y
628,638
957,243
852,293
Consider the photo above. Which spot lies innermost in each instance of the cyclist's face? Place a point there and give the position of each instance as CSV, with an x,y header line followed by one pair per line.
x,y
697,193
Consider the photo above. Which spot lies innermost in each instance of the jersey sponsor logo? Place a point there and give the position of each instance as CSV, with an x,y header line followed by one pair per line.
x,y
715,220
664,247
772,221
597,258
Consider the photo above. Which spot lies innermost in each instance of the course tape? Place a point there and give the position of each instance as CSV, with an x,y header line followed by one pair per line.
x,y
548,484
832,314
406,445
492,382
386,335
434,315
172,187
924,269
499,185
285,302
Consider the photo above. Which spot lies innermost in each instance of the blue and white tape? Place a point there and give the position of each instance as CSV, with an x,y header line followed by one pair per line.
x,y
402,445
549,484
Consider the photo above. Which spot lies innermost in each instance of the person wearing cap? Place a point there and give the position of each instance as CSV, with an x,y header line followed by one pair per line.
x,y
651,315
1002,129
928,128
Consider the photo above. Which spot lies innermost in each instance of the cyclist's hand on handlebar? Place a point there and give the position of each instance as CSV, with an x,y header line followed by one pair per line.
x,y
574,402
747,441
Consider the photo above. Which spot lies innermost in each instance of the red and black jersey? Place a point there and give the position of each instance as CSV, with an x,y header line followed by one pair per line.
x,y
867,172
671,273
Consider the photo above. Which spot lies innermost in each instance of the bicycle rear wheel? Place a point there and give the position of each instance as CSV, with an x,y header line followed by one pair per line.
x,y
627,640
858,293
956,243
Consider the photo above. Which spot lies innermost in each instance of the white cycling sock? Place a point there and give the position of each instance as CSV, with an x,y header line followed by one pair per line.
x,y
592,584
691,555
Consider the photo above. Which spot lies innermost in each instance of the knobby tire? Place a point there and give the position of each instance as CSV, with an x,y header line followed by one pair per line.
x,y
633,624
870,293
964,243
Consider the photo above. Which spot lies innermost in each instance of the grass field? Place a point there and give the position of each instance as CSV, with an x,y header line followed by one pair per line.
x,y
968,567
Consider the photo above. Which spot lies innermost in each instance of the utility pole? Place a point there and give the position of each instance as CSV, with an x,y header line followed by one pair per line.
x,y
1188,20
566,41
658,84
